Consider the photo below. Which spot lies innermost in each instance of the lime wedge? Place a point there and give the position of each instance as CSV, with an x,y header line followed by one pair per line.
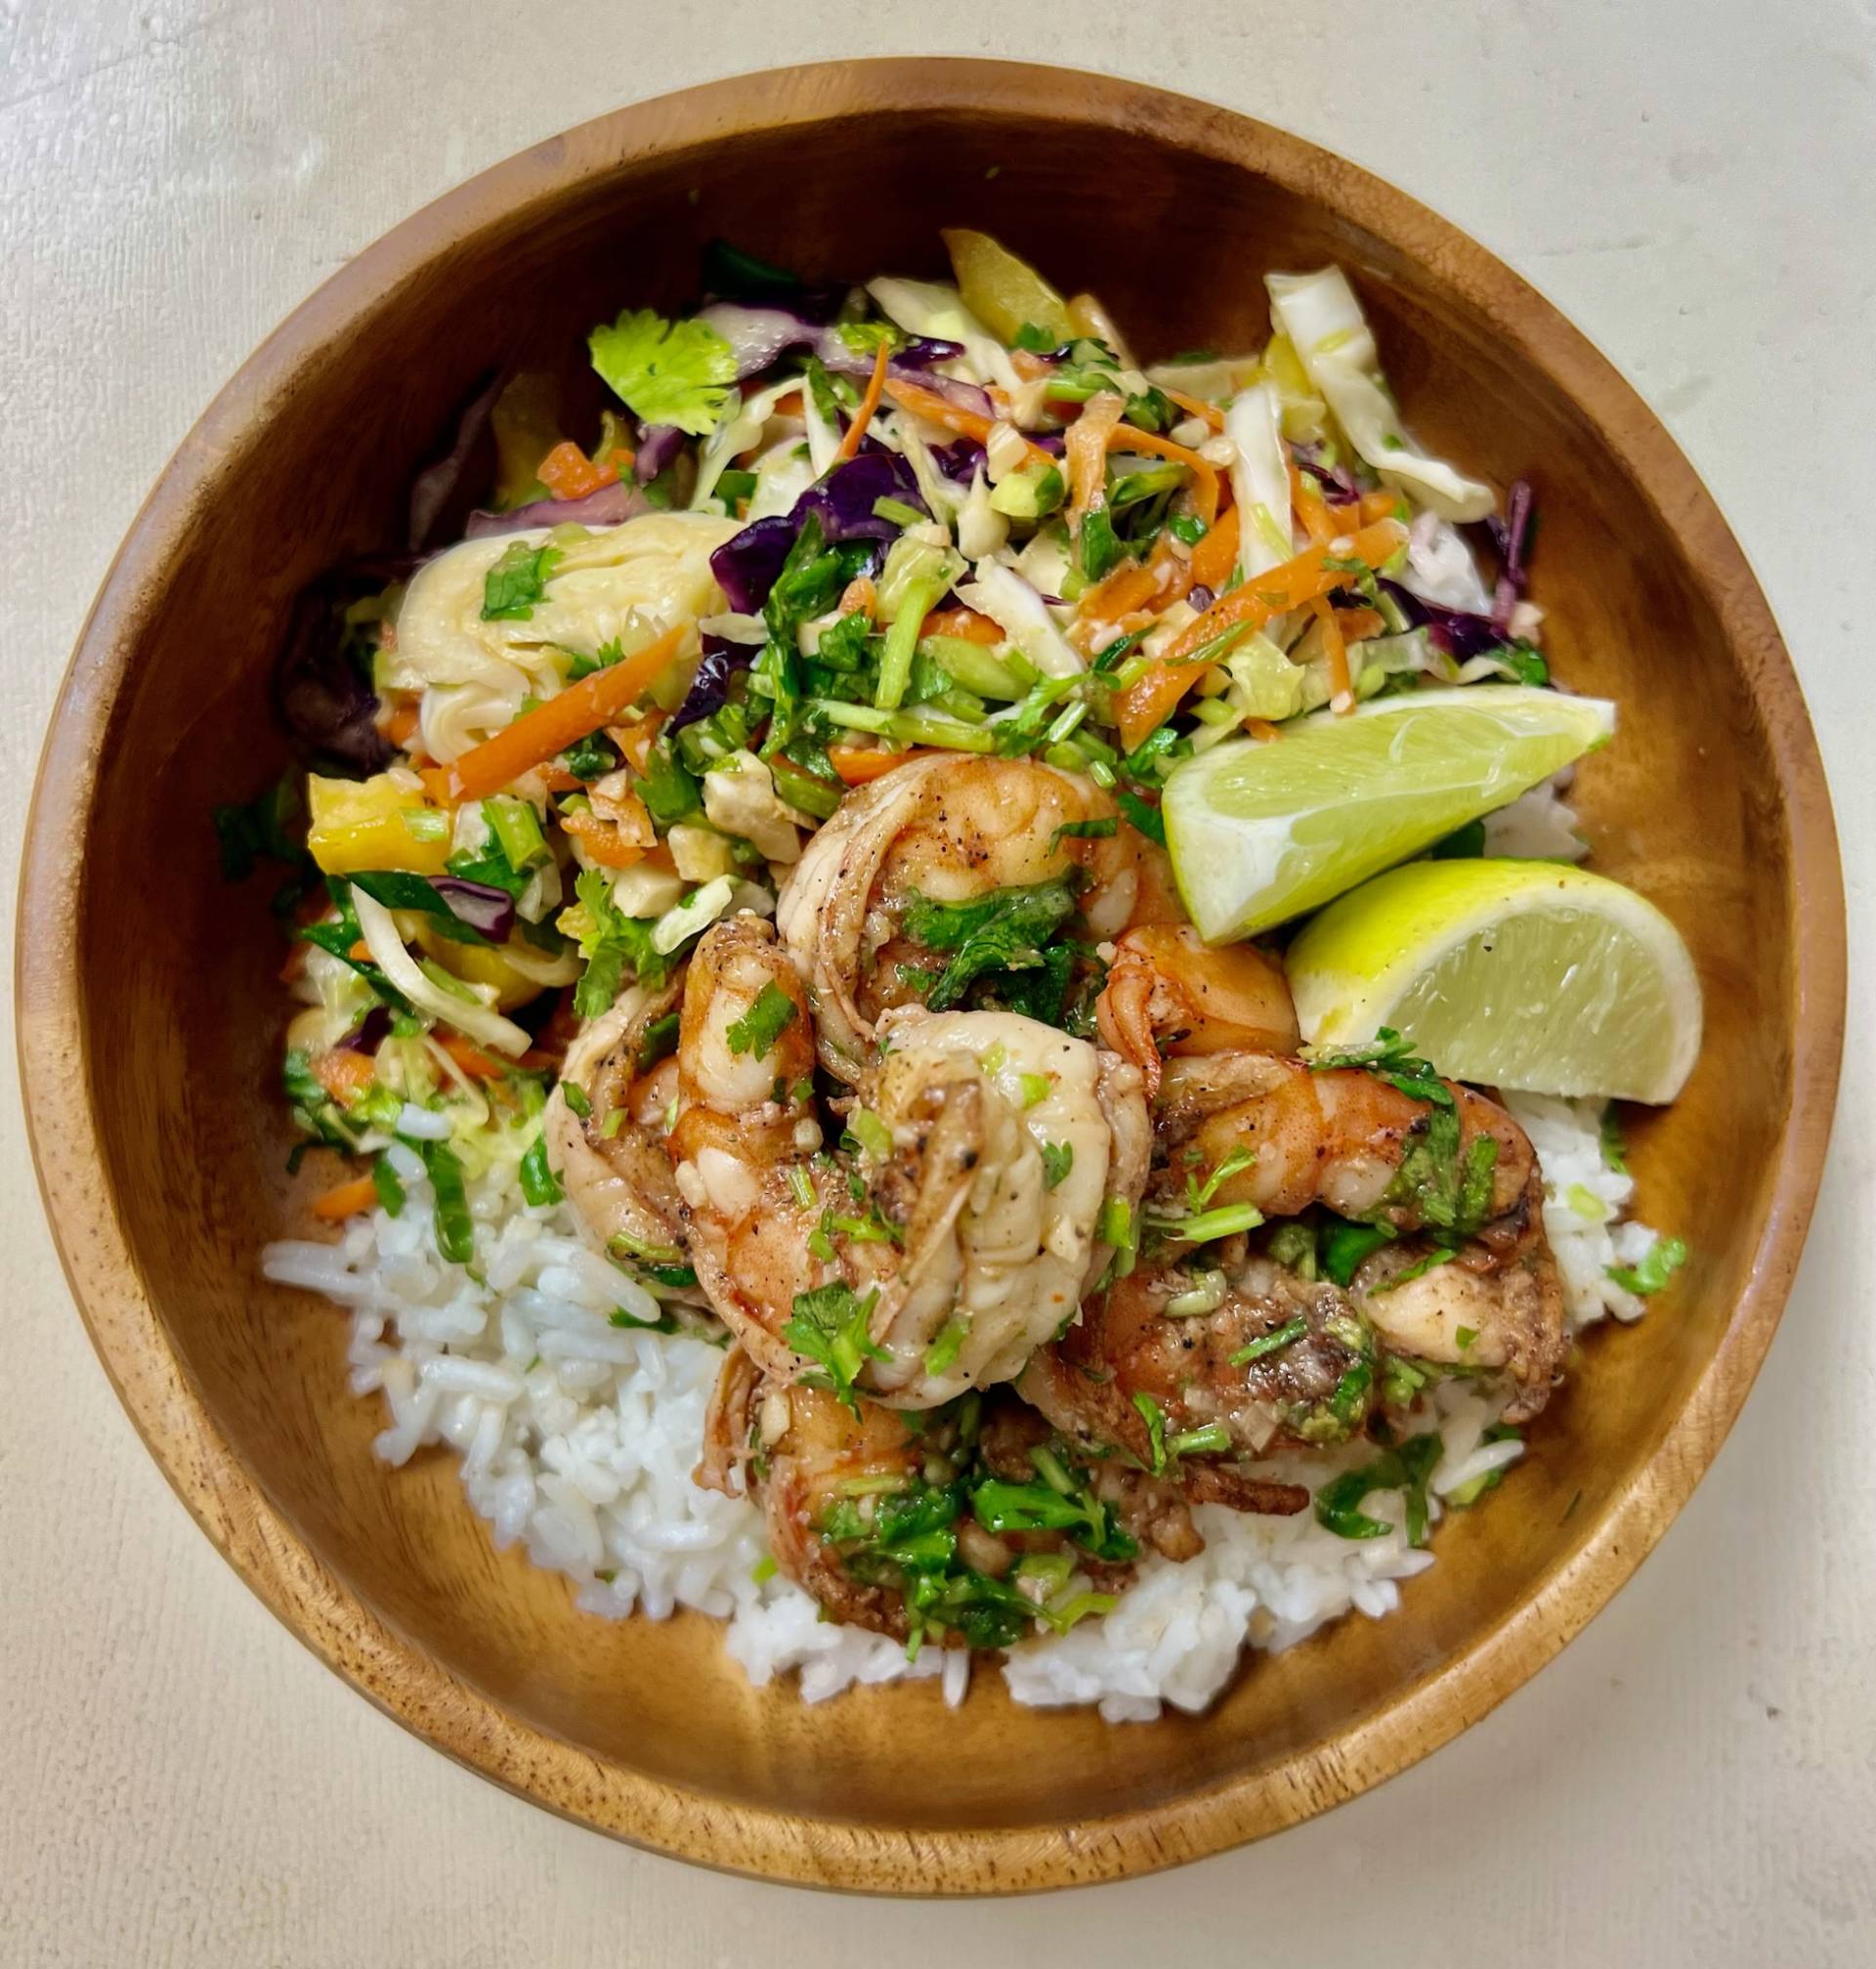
x,y
1263,832
1515,974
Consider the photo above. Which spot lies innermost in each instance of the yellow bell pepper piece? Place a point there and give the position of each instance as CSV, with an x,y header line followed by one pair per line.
x,y
1002,292
375,824
479,965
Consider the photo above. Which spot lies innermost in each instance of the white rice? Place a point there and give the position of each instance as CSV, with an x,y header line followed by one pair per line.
x,y
578,1437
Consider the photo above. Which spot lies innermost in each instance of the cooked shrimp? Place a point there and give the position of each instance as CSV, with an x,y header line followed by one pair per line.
x,y
964,1226
612,1160
1344,1137
1128,1355
802,1452
879,1522
949,829
1170,995
1497,1314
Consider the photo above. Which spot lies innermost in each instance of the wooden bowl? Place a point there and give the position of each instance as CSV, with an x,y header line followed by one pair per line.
x,y
149,1016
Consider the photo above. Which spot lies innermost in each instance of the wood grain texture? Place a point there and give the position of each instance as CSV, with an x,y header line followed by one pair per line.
x,y
238,1388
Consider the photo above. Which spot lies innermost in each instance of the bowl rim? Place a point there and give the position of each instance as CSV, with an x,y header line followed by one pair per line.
x,y
229,1501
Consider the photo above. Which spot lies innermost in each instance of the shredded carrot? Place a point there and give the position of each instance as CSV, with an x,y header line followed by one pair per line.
x,y
360,953
345,1200
1152,698
471,1058
343,1075
1261,728
1031,367
569,474
402,723
558,779
1380,507
860,765
967,624
1342,689
946,415
1216,555
635,742
1086,449
604,842
859,597
1196,406
1309,507
537,735
1128,588
1359,625
1205,477
870,403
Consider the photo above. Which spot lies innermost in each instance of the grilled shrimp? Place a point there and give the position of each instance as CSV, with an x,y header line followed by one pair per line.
x,y
949,829
616,1171
1496,1312
886,1527
960,1233
1344,1137
802,1452
1170,995
1128,1357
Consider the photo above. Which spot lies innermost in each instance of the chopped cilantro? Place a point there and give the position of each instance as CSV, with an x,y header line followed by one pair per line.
x,y
765,1021
1664,1258
1154,1417
1006,929
517,581
1058,1158
1286,1335
670,372
390,1189
538,1184
831,1326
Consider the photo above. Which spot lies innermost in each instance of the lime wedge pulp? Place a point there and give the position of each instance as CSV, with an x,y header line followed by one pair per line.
x,y
1263,831
1516,974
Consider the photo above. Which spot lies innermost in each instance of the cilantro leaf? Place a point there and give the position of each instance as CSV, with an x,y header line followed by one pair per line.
x,y
831,1326
517,581
765,1021
613,941
1006,929
1663,1258
670,372
1058,1158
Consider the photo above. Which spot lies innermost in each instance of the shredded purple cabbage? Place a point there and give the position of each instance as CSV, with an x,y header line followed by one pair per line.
x,y
1461,634
657,446
321,686
480,905
610,506
759,337
433,489
1335,479
722,659
366,1036
1511,539
960,459
845,498
745,567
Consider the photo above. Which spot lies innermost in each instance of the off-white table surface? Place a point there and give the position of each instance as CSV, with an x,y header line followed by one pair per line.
x,y
1693,1782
